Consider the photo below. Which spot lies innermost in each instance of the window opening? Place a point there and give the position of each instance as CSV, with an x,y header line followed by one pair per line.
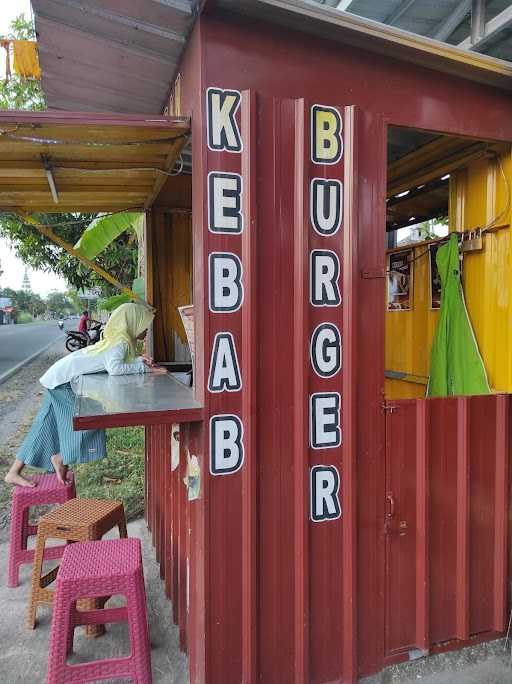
x,y
438,185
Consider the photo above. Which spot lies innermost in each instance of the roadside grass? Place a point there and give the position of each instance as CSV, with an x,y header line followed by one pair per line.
x,y
118,476
24,317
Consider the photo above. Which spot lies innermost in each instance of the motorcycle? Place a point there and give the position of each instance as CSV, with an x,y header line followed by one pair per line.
x,y
78,340
61,325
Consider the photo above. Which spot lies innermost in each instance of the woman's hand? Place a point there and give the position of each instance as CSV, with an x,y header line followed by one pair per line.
x,y
158,370
152,365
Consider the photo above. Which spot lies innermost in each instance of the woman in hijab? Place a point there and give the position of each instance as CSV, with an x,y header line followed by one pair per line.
x,y
51,443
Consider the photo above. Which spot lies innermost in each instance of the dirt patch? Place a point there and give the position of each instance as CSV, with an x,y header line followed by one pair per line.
x,y
20,397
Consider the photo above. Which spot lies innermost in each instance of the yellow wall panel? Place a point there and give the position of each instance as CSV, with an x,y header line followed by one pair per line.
x,y
487,275
409,334
477,195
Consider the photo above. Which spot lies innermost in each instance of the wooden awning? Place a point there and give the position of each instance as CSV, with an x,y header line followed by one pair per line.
x,y
69,161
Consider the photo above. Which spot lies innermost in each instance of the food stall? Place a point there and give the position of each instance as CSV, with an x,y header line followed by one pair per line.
x,y
309,526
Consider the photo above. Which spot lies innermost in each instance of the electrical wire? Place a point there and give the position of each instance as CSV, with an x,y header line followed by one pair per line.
x,y
130,168
5,133
506,210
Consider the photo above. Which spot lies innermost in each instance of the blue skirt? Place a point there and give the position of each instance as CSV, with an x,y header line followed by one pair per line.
x,y
52,433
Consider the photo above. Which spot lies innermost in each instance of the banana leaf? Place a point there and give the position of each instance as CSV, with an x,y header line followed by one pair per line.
x,y
105,229
113,302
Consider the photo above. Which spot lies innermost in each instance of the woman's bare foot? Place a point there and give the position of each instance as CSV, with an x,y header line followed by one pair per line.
x,y
61,470
14,478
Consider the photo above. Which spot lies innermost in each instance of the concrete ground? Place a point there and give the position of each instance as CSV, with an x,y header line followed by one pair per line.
x,y
24,653
487,663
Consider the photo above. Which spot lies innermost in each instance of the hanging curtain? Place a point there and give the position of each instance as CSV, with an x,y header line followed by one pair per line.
x,y
456,367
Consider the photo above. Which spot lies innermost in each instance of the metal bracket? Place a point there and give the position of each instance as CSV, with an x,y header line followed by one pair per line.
x,y
388,408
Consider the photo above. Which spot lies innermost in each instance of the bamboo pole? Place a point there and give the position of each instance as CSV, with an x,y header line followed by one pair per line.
x,y
48,232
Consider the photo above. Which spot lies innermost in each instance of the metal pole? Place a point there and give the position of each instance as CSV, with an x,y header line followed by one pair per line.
x,y
477,20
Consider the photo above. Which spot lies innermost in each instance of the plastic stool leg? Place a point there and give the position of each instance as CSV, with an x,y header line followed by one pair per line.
x,y
139,631
123,532
36,580
15,545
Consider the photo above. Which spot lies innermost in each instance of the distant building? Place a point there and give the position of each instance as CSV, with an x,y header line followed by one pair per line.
x,y
7,311
25,286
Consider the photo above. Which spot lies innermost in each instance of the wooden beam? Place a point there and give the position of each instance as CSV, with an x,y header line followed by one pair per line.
x,y
434,160
162,177
423,156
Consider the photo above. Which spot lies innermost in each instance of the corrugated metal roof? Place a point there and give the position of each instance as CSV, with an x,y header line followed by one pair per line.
x,y
122,55
110,55
448,20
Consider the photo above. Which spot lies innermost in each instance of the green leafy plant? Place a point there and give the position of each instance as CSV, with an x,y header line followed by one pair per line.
x,y
103,230
116,300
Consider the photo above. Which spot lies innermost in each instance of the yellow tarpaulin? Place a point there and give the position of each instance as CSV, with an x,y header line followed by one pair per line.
x,y
26,60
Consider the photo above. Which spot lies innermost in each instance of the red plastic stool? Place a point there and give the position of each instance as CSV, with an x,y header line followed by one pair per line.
x,y
48,491
90,570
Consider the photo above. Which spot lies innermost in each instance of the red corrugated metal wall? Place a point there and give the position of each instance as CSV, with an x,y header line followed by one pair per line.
x,y
169,518
446,521
445,533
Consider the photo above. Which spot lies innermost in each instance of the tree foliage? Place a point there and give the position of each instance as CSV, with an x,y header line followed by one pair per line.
x,y
32,303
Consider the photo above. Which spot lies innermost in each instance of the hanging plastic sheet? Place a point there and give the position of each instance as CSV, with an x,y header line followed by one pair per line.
x,y
26,60
456,367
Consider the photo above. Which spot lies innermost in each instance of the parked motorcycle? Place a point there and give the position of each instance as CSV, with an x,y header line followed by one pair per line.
x,y
78,340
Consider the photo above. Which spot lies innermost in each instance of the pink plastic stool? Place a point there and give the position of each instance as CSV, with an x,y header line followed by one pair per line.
x,y
48,491
97,569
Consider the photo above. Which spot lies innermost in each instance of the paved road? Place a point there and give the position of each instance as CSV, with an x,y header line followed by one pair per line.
x,y
18,342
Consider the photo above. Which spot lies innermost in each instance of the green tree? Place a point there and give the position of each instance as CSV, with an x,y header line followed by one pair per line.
x,y
74,301
58,303
37,305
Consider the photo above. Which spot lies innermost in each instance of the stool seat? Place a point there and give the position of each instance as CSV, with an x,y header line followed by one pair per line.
x,y
83,513
94,560
75,521
48,490
89,570
46,484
